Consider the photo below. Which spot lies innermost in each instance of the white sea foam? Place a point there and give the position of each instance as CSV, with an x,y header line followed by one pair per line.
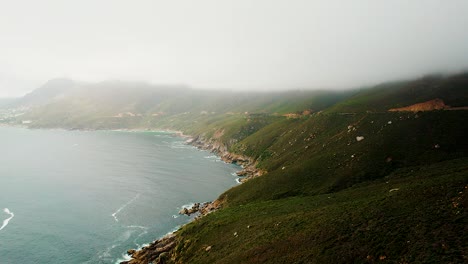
x,y
121,239
137,226
141,234
5,222
172,231
188,206
106,253
124,257
144,245
123,207
238,180
162,135
181,145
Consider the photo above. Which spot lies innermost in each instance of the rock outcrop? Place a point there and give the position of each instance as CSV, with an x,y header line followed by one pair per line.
x,y
202,208
436,104
157,252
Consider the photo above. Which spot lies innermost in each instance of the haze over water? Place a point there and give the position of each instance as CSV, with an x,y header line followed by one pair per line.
x,y
88,197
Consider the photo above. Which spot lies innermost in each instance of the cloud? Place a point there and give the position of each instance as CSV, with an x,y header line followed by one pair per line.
x,y
231,44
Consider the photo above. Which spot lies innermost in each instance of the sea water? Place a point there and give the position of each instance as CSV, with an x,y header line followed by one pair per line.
x,y
88,197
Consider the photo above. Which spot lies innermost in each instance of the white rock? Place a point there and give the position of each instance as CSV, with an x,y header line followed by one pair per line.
x,y
359,138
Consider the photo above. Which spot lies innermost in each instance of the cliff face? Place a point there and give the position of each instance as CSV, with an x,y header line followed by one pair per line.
x,y
436,104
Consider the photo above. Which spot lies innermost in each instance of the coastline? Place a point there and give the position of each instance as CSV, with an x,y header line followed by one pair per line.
x,y
159,251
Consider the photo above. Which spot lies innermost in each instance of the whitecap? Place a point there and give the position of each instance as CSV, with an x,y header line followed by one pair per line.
x,y
181,145
124,257
5,222
137,226
123,207
188,206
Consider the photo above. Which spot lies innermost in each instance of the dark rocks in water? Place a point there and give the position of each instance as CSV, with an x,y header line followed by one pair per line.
x,y
201,208
188,211
156,252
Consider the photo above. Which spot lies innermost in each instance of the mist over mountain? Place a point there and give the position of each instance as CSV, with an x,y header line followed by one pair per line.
x,y
54,89
120,104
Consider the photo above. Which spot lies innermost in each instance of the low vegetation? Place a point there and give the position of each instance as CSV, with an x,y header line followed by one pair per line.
x,y
347,181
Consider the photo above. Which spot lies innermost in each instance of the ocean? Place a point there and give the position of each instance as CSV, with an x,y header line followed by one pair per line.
x,y
89,196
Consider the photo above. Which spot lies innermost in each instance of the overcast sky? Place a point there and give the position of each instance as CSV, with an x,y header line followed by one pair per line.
x,y
221,44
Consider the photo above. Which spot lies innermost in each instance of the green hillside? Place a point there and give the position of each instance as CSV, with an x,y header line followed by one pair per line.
x,y
347,181
398,94
399,195
413,215
321,155
127,105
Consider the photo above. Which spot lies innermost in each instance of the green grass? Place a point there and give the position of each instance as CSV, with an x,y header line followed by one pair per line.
x,y
398,94
319,155
417,223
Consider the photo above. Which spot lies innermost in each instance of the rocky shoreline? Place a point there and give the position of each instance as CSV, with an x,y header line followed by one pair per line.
x,y
249,165
160,251
157,252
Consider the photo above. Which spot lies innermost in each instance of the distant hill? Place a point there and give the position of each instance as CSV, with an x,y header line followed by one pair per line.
x,y
61,103
54,89
116,104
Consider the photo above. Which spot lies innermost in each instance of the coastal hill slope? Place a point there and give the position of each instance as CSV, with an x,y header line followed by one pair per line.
x,y
114,105
452,90
355,184
344,179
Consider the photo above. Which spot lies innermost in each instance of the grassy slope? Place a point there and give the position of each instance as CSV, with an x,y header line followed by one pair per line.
x,y
319,155
326,207
417,223
315,157
398,94
327,199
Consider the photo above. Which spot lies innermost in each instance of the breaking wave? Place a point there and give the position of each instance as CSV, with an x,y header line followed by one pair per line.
x,y
5,222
